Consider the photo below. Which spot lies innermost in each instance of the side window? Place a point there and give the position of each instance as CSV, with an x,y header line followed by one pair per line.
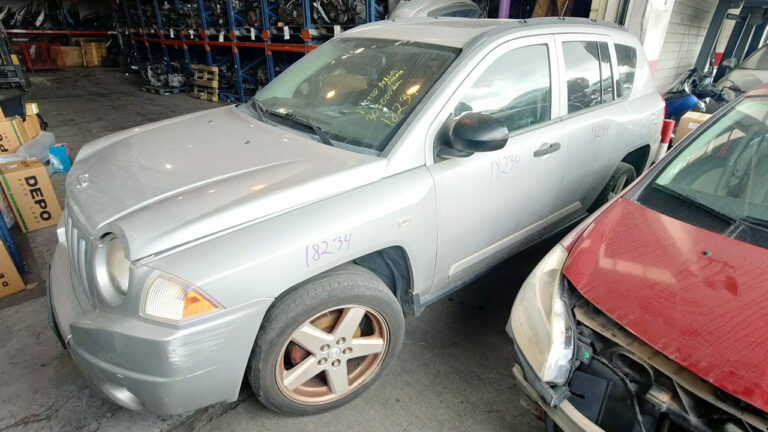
x,y
590,81
514,91
626,59
606,73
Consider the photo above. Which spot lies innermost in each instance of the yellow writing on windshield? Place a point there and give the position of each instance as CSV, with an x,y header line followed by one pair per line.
x,y
374,106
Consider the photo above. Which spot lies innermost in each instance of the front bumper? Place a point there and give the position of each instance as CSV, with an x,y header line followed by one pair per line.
x,y
153,366
553,401
565,415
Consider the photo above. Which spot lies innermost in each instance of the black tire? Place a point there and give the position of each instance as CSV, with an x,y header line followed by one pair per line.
x,y
622,176
348,284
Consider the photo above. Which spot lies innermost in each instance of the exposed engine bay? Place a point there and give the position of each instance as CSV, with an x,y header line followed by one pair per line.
x,y
623,384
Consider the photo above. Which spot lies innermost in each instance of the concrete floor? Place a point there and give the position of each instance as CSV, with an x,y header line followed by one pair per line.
x,y
454,372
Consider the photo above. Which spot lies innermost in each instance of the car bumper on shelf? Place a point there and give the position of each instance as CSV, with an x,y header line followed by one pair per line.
x,y
153,366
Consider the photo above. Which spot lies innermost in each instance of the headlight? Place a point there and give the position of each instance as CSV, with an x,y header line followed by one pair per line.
x,y
540,320
112,269
118,266
173,299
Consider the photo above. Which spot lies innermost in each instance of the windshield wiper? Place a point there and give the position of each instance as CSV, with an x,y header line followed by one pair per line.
x,y
692,200
260,110
754,221
306,122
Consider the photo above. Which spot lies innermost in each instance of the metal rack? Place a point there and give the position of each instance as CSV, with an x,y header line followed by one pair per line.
x,y
234,37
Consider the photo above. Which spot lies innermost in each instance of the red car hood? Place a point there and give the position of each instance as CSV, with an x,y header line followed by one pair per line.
x,y
698,297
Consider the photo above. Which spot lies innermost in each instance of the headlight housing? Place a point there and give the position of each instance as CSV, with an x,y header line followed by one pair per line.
x,y
113,269
172,299
541,321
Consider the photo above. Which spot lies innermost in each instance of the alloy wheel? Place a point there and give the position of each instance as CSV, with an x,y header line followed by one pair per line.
x,y
332,354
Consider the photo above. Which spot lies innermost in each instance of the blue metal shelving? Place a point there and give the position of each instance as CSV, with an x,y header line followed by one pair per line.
x,y
261,49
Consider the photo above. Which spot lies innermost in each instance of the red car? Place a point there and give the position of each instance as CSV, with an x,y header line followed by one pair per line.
x,y
653,314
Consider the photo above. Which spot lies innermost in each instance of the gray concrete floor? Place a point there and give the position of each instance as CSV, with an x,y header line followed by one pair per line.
x,y
453,374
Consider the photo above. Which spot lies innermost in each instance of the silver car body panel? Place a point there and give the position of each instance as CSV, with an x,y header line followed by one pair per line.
x,y
239,209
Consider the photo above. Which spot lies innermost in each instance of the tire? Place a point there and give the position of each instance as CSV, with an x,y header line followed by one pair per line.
x,y
331,302
623,175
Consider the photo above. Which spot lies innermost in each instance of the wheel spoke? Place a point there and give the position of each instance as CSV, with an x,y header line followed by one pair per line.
x,y
301,373
337,378
312,338
366,346
349,322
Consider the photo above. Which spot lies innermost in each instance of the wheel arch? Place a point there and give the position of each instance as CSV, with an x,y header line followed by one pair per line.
x,y
638,158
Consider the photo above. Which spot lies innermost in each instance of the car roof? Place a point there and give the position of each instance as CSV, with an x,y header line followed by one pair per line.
x,y
459,32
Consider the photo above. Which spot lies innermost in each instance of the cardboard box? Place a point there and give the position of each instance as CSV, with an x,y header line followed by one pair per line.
x,y
29,190
10,281
13,134
690,121
32,125
31,108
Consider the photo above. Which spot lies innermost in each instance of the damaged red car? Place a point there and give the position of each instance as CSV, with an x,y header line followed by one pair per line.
x,y
652,314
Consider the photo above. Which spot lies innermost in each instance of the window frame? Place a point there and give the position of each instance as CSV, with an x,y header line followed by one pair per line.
x,y
626,96
481,66
583,37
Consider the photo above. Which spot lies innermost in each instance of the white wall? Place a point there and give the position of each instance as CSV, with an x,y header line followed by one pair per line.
x,y
685,32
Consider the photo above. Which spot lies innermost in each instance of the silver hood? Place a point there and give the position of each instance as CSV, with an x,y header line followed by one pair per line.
x,y
167,183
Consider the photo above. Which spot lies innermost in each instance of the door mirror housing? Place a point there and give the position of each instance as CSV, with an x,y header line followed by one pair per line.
x,y
729,63
476,132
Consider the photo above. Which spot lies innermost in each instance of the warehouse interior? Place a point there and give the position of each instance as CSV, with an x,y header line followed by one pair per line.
x,y
76,71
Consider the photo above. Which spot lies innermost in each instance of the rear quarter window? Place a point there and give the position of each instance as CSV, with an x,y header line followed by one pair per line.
x,y
626,59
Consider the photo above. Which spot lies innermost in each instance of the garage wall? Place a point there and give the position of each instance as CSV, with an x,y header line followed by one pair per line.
x,y
685,32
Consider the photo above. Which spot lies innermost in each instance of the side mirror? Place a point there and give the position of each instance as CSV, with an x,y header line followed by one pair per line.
x,y
729,63
476,132
619,88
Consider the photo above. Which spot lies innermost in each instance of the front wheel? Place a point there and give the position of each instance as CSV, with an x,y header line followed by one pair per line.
x,y
622,176
324,343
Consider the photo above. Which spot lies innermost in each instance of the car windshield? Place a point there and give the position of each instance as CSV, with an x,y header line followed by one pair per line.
x,y
720,180
355,92
758,60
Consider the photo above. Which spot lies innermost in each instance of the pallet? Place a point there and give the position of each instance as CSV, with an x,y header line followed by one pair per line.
x,y
163,90
205,83
202,67
205,93
206,76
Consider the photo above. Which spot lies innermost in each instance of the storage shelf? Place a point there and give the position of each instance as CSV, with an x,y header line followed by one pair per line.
x,y
62,32
156,33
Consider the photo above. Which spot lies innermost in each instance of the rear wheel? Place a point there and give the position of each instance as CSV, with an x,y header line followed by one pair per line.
x,y
325,342
622,176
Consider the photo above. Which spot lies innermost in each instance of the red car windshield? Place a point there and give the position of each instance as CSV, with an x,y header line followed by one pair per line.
x,y
719,181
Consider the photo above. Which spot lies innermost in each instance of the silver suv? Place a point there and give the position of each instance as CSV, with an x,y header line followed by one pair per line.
x,y
284,239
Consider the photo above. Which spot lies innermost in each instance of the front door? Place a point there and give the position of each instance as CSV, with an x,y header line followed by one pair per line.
x,y
490,204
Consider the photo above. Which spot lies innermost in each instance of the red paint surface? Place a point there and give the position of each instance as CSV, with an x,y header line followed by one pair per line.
x,y
718,58
648,272
652,66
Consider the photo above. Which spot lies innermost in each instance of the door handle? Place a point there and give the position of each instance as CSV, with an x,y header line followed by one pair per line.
x,y
546,149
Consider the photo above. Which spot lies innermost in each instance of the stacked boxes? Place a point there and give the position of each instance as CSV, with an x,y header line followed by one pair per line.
x,y
26,183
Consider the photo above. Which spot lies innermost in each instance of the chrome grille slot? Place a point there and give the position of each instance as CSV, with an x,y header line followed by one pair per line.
x,y
77,243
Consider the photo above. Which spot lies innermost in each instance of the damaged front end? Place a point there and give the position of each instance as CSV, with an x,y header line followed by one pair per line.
x,y
619,383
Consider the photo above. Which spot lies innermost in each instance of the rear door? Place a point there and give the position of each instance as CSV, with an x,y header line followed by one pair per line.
x,y
594,134
489,203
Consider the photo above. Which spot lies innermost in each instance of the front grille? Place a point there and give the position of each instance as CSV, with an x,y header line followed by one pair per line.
x,y
78,244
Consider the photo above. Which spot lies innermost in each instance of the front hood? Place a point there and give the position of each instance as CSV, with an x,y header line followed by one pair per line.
x,y
171,182
695,296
